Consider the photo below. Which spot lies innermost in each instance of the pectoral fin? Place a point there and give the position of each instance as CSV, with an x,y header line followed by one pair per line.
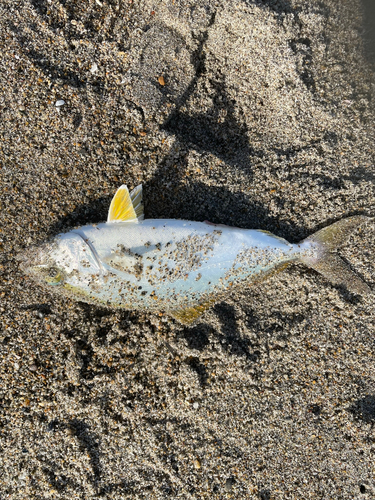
x,y
125,206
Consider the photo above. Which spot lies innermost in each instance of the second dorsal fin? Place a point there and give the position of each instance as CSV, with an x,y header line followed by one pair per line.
x,y
125,206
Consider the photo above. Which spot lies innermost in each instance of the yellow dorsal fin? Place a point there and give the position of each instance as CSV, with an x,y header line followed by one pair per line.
x,y
125,206
136,197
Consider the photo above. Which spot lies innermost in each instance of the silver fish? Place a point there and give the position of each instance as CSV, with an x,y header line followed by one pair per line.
x,y
177,266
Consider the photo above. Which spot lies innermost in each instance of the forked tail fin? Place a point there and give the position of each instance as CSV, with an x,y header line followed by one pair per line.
x,y
330,264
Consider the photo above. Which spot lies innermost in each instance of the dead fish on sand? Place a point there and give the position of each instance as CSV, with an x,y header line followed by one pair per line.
x,y
177,266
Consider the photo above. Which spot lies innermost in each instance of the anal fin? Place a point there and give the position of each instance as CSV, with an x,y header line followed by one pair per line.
x,y
188,315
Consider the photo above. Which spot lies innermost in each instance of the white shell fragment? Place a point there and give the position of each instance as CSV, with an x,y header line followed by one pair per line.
x,y
59,103
94,68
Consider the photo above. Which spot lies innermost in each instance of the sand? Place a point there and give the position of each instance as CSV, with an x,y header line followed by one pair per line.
x,y
258,114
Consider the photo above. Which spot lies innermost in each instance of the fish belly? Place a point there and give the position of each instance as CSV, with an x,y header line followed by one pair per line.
x,y
168,264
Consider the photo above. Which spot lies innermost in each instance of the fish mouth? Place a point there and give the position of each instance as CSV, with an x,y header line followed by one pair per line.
x,y
34,258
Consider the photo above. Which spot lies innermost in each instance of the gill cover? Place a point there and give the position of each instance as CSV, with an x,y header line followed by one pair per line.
x,y
73,254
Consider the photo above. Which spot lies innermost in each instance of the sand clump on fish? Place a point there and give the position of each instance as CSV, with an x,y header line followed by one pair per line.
x,y
177,266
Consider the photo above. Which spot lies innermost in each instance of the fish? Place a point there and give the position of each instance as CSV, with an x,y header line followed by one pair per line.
x,y
178,267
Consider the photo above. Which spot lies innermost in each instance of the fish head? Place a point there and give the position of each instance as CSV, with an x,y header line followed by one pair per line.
x,y
66,261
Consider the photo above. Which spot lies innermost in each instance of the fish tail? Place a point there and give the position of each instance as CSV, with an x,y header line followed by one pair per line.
x,y
330,265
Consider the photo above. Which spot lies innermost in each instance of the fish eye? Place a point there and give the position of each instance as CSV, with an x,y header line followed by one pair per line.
x,y
52,272
53,276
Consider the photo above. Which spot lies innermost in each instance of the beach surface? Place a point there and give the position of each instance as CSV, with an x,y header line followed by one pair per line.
x,y
257,114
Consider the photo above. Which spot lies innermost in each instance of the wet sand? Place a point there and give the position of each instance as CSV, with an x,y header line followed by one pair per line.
x,y
258,114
